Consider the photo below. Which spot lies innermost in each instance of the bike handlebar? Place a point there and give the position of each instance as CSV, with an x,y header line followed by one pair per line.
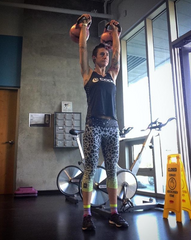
x,y
124,131
158,125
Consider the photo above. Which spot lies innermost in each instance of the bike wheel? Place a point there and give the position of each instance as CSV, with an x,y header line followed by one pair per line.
x,y
127,184
68,180
99,193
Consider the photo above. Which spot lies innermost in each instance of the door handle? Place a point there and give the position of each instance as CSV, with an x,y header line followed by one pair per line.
x,y
11,142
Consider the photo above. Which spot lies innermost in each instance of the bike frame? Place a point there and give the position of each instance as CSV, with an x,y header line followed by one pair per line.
x,y
153,126
80,147
135,166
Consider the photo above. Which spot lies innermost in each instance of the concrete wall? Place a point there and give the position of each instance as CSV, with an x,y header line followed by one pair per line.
x,y
51,74
11,20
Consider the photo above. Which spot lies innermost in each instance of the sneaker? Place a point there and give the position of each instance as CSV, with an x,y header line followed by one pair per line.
x,y
118,221
88,224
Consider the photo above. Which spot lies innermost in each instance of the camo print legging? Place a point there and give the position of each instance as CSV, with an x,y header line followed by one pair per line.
x,y
104,133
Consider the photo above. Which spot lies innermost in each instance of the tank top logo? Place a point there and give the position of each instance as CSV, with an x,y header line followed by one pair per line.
x,y
106,80
94,80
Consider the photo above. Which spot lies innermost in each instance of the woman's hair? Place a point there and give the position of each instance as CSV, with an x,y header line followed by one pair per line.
x,y
95,50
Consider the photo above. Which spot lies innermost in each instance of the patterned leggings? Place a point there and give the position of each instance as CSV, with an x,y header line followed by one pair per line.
x,y
104,133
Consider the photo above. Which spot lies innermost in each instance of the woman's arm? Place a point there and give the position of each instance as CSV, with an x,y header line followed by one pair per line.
x,y
115,60
84,63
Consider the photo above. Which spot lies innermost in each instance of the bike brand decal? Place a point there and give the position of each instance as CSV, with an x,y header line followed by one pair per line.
x,y
75,180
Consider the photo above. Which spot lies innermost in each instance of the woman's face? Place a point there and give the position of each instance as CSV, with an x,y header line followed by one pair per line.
x,y
102,58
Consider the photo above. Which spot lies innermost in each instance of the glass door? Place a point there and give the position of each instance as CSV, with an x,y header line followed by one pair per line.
x,y
182,55
162,100
185,59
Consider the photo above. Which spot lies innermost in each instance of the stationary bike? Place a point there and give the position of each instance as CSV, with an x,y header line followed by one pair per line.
x,y
127,204
69,178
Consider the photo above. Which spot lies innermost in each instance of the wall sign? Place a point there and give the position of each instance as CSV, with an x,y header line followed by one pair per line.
x,y
66,106
39,119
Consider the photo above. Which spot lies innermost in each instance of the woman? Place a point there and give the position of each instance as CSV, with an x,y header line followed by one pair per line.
x,y
101,123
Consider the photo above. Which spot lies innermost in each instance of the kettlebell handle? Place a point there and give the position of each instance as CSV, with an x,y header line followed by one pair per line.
x,y
81,20
108,24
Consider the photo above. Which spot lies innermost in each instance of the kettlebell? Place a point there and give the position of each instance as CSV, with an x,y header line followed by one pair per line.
x,y
106,37
76,28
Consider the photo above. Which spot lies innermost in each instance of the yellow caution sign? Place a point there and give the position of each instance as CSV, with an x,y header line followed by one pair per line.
x,y
177,195
173,188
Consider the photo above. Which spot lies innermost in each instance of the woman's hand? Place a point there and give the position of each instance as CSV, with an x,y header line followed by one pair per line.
x,y
114,25
84,19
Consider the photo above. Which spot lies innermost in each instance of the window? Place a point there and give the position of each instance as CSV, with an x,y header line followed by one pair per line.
x,y
183,14
150,96
138,107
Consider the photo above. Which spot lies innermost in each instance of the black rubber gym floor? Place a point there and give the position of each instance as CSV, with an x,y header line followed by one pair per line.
x,y
51,217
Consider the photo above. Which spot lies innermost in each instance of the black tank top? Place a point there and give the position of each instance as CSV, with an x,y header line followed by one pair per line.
x,y
101,96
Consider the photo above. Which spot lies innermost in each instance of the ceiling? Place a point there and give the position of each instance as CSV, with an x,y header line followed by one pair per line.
x,y
83,5
97,8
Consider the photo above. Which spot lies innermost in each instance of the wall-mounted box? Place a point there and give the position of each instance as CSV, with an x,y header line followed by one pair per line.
x,y
63,122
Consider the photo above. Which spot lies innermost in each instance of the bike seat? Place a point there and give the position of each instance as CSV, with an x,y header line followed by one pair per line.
x,y
75,132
